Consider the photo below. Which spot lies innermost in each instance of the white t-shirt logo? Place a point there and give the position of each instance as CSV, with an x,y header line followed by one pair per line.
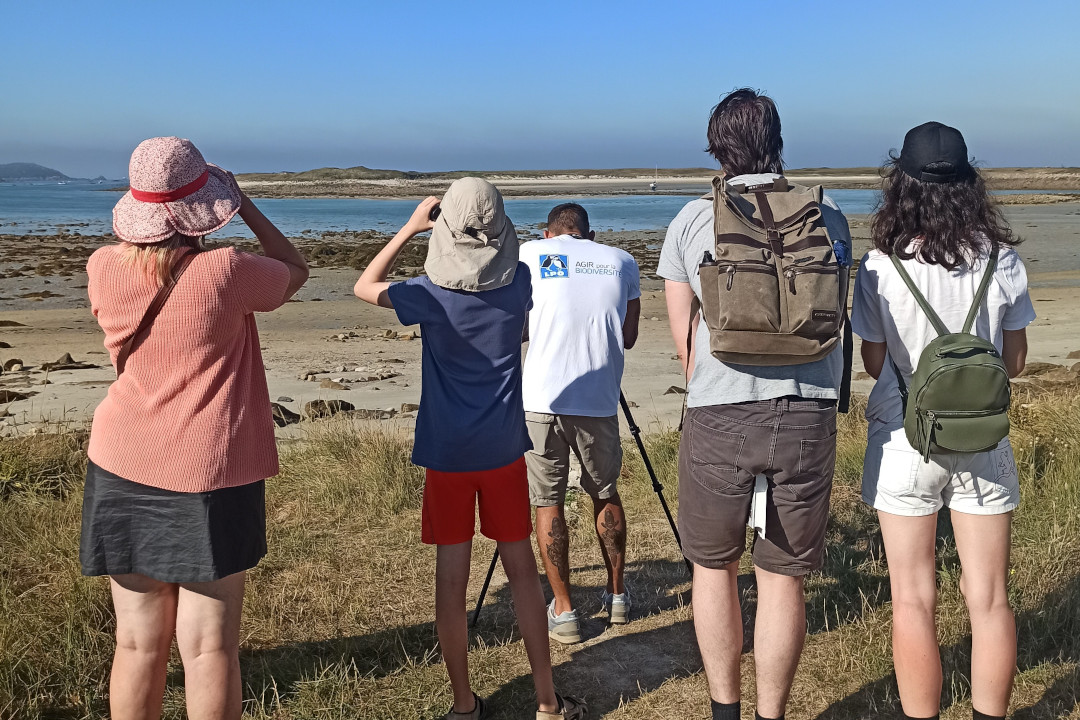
x,y
553,266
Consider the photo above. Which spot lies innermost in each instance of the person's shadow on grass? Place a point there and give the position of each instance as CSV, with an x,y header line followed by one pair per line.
x,y
612,666
625,665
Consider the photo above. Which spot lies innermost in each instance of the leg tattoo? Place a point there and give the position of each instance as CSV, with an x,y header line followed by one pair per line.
x,y
613,536
559,548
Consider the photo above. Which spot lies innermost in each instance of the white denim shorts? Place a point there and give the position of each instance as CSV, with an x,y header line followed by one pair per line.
x,y
896,480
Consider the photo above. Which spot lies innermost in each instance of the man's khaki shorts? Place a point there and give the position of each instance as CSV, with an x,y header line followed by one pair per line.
x,y
595,441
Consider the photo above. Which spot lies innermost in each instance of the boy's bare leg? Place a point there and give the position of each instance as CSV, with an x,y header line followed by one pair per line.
x,y
553,541
611,531
520,566
451,618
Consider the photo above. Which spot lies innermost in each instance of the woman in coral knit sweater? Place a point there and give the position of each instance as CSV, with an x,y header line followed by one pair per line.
x,y
174,509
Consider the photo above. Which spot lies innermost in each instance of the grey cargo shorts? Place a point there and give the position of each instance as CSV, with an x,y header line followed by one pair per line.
x,y
791,443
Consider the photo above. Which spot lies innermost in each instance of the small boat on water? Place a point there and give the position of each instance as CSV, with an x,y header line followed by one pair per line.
x,y
656,176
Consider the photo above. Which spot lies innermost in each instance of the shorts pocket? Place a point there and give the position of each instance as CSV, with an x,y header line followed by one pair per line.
x,y
817,462
714,456
899,471
817,457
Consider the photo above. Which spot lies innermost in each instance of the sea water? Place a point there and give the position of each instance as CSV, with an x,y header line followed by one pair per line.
x,y
86,209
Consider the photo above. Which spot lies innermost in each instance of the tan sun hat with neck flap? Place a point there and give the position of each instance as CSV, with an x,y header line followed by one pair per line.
x,y
473,245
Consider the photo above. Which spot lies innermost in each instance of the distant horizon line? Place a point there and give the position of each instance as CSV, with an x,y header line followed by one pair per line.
x,y
683,171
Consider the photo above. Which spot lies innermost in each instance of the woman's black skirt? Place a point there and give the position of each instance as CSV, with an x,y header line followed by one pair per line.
x,y
170,536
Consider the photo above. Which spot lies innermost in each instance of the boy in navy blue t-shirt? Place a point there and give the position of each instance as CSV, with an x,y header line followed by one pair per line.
x,y
470,430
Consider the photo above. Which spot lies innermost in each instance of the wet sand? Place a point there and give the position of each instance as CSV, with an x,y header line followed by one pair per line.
x,y
337,341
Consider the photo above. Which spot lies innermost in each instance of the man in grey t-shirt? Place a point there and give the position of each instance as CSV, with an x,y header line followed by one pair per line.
x,y
758,443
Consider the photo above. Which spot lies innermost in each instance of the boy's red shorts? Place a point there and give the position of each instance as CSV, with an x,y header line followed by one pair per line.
x,y
450,505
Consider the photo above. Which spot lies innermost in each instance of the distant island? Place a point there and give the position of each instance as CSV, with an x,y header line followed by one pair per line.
x,y
361,182
29,171
365,173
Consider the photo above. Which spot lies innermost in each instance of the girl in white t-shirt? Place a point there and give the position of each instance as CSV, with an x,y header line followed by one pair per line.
x,y
938,218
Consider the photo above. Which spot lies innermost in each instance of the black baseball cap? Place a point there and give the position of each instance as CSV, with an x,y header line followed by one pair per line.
x,y
935,144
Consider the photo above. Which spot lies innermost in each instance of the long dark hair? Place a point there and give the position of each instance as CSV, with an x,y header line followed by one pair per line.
x,y
744,134
951,217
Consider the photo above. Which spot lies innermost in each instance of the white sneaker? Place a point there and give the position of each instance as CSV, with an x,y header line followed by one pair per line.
x,y
618,607
563,628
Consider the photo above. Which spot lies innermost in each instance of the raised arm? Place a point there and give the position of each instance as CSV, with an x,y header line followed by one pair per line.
x,y
680,297
372,286
274,244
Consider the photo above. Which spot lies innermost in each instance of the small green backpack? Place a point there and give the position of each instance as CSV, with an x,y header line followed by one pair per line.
x,y
958,401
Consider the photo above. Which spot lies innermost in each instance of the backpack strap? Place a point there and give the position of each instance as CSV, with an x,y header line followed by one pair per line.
x,y
980,293
843,403
776,243
152,311
695,308
899,382
939,326
991,265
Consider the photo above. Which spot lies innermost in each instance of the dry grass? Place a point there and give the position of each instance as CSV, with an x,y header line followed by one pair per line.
x,y
338,621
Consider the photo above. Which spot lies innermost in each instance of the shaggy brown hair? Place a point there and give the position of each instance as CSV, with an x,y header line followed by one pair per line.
x,y
744,134
951,218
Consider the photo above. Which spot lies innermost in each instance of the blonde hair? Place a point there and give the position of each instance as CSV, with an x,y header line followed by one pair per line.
x,y
157,259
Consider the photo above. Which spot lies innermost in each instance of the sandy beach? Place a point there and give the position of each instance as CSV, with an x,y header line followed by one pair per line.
x,y
326,345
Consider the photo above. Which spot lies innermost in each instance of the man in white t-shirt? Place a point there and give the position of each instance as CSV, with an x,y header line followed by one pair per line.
x,y
586,306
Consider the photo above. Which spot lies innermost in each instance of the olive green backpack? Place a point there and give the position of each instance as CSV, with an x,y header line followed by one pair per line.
x,y
958,400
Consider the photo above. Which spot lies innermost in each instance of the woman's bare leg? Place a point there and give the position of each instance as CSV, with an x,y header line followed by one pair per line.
x,y
909,548
208,636
983,543
145,618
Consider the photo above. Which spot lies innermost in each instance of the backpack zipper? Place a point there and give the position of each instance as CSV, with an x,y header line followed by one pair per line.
x,y
928,433
745,266
965,413
791,272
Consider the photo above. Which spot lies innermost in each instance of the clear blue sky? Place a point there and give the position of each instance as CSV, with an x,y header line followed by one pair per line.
x,y
263,86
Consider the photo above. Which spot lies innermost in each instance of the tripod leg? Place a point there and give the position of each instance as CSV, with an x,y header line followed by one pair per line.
x,y
484,589
635,431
